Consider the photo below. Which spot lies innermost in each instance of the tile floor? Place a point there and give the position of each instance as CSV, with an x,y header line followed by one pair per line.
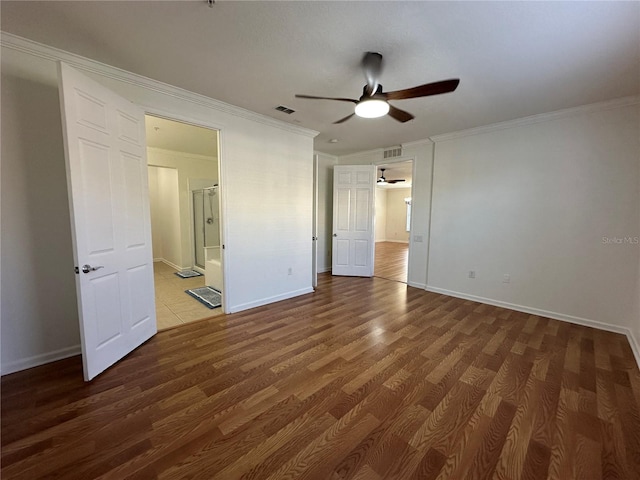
x,y
174,307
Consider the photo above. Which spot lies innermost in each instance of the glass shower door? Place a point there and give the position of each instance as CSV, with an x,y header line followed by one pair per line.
x,y
198,227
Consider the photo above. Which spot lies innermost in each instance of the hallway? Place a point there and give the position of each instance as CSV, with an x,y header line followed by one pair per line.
x,y
391,261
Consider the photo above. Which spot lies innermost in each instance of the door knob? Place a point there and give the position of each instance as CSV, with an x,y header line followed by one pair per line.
x,y
89,268
335,234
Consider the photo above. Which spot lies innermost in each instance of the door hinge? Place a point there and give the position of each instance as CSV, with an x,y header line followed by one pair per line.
x,y
77,270
223,246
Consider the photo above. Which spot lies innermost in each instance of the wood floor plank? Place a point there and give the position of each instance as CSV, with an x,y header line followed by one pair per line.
x,y
364,379
391,261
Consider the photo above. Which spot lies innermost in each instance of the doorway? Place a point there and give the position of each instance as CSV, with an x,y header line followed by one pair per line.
x,y
393,220
183,163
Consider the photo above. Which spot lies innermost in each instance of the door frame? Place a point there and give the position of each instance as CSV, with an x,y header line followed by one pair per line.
x,y
196,122
314,228
389,161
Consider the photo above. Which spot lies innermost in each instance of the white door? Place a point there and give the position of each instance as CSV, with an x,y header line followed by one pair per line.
x,y
105,150
353,232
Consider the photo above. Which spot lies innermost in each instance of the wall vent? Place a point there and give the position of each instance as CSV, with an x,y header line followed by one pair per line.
x,y
393,152
287,110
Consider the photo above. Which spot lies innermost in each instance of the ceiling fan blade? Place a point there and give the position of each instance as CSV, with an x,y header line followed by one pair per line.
x,y
399,180
351,100
399,115
344,119
435,88
372,68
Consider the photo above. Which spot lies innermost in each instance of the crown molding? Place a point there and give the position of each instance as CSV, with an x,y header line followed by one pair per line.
x,y
40,50
541,117
375,151
332,157
417,143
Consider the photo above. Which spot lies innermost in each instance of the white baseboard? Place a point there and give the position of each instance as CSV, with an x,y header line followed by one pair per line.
x,y
37,360
203,272
545,313
172,265
393,241
417,285
324,269
265,301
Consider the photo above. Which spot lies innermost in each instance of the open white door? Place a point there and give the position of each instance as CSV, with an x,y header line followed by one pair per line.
x,y
105,150
353,229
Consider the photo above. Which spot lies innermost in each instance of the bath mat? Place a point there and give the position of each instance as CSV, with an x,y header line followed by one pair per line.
x,y
188,274
208,296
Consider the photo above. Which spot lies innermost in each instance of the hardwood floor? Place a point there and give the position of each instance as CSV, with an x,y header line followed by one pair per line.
x,y
364,379
391,260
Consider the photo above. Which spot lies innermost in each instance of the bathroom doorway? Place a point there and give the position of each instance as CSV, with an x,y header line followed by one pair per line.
x,y
184,191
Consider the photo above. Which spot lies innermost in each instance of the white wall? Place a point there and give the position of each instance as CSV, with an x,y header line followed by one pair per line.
x,y
268,185
188,168
171,224
325,210
154,210
535,201
381,214
396,228
533,198
266,195
38,298
165,215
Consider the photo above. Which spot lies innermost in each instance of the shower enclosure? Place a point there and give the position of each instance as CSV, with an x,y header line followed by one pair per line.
x,y
206,222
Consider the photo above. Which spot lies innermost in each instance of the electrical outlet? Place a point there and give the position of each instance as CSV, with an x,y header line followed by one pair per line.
x,y
506,278
417,238
472,274
290,271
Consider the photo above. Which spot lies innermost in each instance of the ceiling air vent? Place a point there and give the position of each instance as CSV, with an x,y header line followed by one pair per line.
x,y
393,152
287,110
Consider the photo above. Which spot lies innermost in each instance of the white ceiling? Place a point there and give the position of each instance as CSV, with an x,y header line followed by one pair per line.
x,y
181,137
514,59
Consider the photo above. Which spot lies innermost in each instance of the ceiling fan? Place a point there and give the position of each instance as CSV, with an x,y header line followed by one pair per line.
x,y
384,181
374,102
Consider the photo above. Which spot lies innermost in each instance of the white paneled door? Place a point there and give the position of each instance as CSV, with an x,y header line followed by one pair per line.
x,y
353,232
105,152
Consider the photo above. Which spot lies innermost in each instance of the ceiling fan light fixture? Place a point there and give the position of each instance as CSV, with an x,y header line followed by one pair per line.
x,y
372,108
381,179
